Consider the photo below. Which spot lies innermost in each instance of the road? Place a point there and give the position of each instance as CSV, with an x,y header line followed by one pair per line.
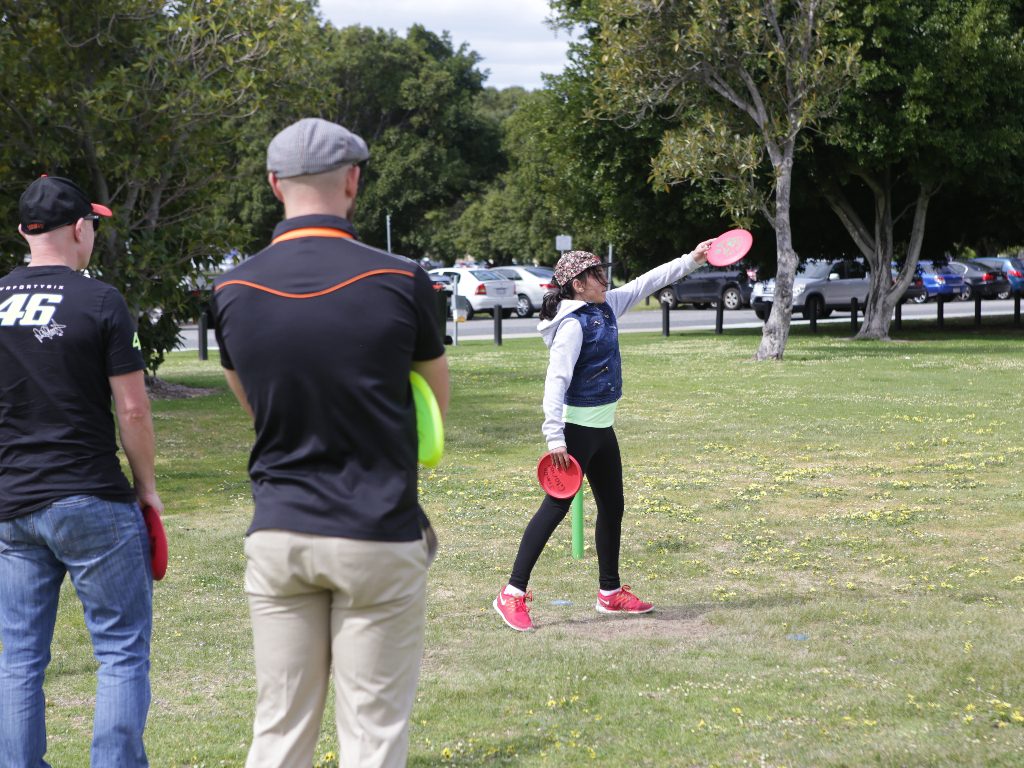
x,y
481,327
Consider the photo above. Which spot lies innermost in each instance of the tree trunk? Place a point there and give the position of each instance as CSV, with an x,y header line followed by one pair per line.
x,y
776,330
876,325
878,249
878,310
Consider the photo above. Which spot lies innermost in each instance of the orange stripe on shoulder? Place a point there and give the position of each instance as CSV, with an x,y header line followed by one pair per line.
x,y
324,292
311,232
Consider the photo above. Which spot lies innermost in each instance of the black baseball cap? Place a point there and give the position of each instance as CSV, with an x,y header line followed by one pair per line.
x,y
53,201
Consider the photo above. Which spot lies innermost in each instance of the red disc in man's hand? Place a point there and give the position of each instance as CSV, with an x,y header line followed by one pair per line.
x,y
157,542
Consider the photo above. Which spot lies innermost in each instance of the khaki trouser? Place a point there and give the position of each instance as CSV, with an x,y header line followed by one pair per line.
x,y
318,600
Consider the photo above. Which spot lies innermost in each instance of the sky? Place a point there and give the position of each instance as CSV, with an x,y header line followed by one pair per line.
x,y
510,35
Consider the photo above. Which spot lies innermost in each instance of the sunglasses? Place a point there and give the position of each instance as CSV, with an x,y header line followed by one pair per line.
x,y
94,218
362,175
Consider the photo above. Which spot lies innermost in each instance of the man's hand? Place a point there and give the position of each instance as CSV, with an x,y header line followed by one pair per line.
x,y
150,499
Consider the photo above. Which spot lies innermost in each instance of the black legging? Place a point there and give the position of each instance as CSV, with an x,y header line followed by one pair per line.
x,y
597,451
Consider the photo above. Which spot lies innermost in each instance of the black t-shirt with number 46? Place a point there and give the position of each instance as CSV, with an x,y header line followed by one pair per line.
x,y
62,335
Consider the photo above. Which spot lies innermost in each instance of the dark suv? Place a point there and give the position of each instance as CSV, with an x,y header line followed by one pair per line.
x,y
709,285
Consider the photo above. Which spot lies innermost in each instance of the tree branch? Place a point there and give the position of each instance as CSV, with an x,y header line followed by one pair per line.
x,y
714,80
913,206
842,207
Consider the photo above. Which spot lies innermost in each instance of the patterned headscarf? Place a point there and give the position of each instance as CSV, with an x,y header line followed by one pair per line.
x,y
574,263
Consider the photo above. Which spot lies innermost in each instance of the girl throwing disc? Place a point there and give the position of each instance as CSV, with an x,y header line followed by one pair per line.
x,y
582,388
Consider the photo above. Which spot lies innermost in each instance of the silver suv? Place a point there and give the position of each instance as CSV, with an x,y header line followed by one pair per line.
x,y
820,287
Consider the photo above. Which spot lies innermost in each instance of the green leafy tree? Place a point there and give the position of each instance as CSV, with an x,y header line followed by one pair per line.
x,y
414,100
740,82
938,109
517,218
573,172
146,104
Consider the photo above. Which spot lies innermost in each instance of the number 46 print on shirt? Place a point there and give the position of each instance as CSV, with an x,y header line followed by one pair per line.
x,y
32,309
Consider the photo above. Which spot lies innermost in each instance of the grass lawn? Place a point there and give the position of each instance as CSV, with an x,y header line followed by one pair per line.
x,y
834,545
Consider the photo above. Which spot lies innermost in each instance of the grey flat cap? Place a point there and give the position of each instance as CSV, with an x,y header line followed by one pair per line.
x,y
313,146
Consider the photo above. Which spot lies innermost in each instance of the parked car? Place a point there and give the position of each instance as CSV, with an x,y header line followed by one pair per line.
x,y
914,290
480,290
709,285
1010,266
820,286
981,280
940,281
440,282
531,285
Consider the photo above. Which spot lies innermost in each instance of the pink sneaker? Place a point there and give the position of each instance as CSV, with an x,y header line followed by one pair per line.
x,y
512,608
623,601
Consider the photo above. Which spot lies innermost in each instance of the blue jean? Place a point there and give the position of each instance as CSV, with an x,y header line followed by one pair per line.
x,y
104,547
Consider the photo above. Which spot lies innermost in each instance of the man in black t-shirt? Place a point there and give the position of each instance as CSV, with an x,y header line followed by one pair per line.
x,y
318,334
67,345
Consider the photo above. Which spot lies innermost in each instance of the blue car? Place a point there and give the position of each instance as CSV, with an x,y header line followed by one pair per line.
x,y
940,281
1012,267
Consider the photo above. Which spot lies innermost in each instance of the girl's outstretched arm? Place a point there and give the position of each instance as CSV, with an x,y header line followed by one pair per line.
x,y
623,298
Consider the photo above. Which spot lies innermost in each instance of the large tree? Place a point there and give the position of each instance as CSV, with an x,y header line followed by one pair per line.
x,y
938,109
740,81
572,172
154,107
415,99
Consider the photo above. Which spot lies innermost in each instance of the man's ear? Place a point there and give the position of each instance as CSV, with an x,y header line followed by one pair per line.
x,y
275,186
352,181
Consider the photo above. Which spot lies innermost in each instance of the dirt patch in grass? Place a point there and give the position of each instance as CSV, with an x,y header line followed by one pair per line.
x,y
166,390
675,623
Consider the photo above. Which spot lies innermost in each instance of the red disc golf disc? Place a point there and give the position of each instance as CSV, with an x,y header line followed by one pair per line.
x,y
729,247
558,482
157,542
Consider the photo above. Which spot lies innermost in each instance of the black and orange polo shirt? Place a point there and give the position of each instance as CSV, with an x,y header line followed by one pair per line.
x,y
322,331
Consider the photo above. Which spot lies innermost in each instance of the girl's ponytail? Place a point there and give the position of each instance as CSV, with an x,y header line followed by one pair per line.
x,y
549,305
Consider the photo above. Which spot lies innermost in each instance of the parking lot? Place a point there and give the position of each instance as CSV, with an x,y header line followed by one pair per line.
x,y
648,319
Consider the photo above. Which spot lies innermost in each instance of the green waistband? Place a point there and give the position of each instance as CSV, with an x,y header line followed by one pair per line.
x,y
597,416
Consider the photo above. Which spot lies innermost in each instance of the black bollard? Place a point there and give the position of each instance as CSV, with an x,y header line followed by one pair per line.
x,y
899,315
719,312
497,324
1016,307
814,316
853,315
977,309
938,309
664,318
203,346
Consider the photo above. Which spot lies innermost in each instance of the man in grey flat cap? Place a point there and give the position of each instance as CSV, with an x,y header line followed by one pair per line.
x,y
318,334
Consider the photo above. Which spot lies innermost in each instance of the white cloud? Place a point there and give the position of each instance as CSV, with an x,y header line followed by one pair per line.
x,y
510,35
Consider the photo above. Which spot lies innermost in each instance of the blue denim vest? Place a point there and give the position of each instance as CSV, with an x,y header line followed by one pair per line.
x,y
597,377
